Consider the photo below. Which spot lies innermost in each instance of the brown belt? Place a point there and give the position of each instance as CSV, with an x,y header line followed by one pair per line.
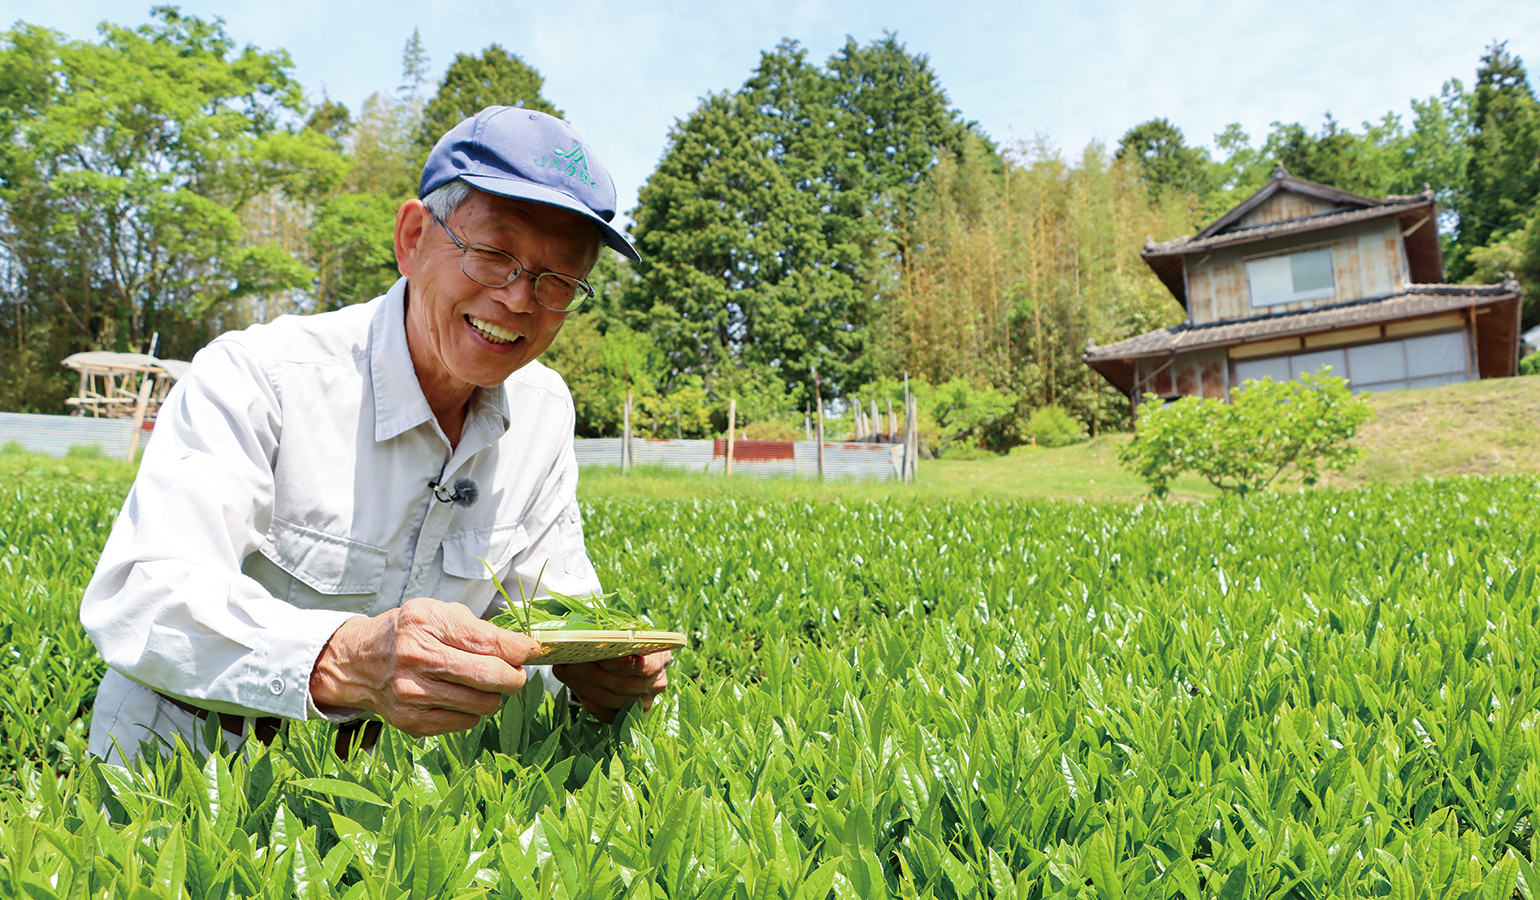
x,y
266,728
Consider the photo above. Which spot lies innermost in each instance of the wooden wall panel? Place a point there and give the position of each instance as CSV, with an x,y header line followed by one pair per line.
x,y
1204,373
1367,262
1284,206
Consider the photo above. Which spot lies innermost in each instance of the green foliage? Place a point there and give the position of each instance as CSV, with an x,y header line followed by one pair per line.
x,y
685,411
129,163
767,231
1014,264
1053,426
494,78
351,238
775,430
759,391
600,366
1274,697
1384,157
1268,428
1530,365
1166,164
1503,172
414,67
959,411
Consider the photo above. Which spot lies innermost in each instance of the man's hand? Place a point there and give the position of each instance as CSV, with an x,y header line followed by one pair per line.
x,y
427,668
606,686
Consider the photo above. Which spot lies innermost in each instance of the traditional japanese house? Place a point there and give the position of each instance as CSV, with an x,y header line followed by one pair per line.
x,y
1301,276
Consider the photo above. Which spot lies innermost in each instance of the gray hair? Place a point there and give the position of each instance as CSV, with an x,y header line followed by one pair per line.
x,y
443,200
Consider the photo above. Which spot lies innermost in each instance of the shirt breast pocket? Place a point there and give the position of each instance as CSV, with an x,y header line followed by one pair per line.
x,y
317,570
466,578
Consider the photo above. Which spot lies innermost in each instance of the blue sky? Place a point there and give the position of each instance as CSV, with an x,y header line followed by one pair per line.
x,y
624,72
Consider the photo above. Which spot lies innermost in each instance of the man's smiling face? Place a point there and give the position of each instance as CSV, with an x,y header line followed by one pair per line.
x,y
464,335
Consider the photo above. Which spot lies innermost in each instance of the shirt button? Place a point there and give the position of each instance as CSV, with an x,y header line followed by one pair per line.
x,y
276,685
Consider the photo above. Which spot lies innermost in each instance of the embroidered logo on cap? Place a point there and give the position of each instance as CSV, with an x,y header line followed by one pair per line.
x,y
571,163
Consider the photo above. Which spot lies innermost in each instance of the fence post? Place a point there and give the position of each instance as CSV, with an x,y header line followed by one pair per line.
x,y
625,437
732,423
818,404
146,387
912,439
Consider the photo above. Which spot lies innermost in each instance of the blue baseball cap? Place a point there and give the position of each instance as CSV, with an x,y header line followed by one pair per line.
x,y
527,155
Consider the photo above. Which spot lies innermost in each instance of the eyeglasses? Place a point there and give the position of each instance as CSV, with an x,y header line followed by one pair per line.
x,y
495,269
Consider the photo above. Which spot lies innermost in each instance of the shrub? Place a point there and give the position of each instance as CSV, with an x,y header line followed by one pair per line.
x,y
1268,428
1053,426
968,449
961,410
1530,365
773,431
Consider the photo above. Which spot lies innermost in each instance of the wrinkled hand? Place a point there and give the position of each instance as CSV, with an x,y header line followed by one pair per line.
x,y
606,686
426,668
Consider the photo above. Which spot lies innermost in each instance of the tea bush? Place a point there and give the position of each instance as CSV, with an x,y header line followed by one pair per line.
x,y
1332,694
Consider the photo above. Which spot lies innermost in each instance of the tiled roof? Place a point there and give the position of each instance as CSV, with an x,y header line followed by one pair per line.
x,y
1416,300
1391,206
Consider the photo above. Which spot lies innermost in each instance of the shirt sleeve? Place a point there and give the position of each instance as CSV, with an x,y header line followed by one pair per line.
x,y
169,606
556,557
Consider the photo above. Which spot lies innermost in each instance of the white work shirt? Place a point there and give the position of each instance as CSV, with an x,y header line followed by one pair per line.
x,y
285,490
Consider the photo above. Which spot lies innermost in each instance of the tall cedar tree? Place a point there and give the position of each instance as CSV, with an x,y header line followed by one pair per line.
x,y
494,78
1166,164
1503,174
770,230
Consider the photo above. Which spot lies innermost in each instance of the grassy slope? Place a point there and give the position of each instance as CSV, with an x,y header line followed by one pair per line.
x,y
1484,427
1480,428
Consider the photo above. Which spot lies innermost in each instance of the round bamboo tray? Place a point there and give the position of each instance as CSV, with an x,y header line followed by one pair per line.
x,y
557,647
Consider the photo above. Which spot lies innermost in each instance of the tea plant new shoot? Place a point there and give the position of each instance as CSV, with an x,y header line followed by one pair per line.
x,y
561,612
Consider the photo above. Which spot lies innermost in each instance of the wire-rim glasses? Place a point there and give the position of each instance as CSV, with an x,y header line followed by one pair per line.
x,y
494,268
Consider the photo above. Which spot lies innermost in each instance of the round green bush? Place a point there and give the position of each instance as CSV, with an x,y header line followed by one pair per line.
x,y
1052,426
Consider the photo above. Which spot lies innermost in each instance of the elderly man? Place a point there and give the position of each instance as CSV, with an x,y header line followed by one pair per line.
x,y
306,533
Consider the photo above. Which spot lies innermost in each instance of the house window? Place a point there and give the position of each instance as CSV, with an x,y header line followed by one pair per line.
x,y
1416,362
1290,277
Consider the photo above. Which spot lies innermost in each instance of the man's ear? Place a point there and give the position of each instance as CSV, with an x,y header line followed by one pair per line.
x,y
411,224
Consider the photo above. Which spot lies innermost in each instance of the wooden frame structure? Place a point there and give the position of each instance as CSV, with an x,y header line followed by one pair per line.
x,y
121,385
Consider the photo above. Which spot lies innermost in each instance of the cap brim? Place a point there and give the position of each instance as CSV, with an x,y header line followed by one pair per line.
x,y
539,193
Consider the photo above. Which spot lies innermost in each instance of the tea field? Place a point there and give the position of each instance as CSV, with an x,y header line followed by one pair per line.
x,y
1324,694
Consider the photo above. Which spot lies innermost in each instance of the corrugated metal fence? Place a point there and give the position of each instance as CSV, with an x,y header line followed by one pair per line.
x,y
841,459
55,435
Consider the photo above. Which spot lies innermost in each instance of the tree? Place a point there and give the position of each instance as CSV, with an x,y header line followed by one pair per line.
x,y
495,78
1166,164
1242,446
1012,265
1437,153
1503,173
768,230
352,246
1499,216
414,68
128,164
351,230
599,365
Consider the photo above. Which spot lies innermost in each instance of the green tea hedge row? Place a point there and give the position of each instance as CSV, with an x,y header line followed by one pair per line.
x,y
1327,694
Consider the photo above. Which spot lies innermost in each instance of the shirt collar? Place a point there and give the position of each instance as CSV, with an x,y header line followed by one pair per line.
x,y
399,404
